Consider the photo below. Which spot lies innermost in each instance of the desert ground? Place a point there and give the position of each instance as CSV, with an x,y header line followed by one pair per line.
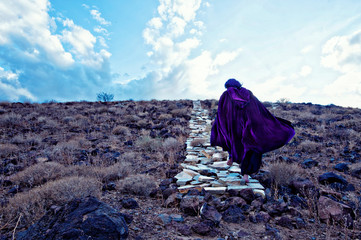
x,y
124,155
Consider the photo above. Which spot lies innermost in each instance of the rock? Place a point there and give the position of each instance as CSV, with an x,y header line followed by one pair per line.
x,y
334,212
330,177
297,201
210,213
301,185
236,188
356,172
177,217
191,204
257,203
284,221
203,228
309,163
274,233
237,201
172,200
165,183
220,165
129,203
261,217
109,187
299,223
341,167
255,185
205,179
275,208
167,192
79,219
247,194
259,192
14,189
164,218
184,229
233,214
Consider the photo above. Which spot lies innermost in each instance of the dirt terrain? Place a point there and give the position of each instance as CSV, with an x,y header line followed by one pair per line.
x,y
127,153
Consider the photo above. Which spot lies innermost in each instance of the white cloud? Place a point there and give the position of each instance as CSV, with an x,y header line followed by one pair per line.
x,y
306,49
32,28
11,88
343,54
97,16
155,23
305,71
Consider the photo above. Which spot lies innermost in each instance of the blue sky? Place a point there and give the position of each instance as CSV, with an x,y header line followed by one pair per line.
x,y
70,50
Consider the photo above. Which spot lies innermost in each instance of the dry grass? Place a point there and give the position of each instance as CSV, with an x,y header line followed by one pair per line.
x,y
121,130
310,146
283,173
138,184
7,150
149,144
33,204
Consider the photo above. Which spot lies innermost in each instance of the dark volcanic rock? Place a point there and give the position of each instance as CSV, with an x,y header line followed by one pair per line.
x,y
284,221
301,185
109,186
210,213
233,214
203,228
259,217
341,167
356,172
129,203
191,204
274,233
275,208
247,194
184,229
79,219
335,212
330,177
309,163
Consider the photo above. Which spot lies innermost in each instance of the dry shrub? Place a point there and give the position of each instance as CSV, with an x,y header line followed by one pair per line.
x,y
139,184
149,144
33,204
198,142
131,118
164,116
106,174
283,173
171,145
39,174
8,149
183,112
10,120
64,152
121,130
310,146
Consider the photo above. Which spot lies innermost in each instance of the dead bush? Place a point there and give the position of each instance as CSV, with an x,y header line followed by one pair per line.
x,y
137,184
64,152
164,116
33,204
171,145
283,173
149,144
39,174
310,146
7,150
121,130
10,120
182,112
114,172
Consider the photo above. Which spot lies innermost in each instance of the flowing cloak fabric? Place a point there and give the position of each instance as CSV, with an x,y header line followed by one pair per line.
x,y
246,129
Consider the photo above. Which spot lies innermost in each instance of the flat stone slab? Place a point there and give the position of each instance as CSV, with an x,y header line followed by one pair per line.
x,y
234,169
255,185
190,172
259,191
237,188
183,175
205,178
216,190
222,165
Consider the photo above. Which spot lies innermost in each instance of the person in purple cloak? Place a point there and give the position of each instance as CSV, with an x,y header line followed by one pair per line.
x,y
246,129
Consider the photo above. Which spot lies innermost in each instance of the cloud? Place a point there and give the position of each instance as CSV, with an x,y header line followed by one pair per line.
x,y
51,57
306,49
96,15
11,88
343,54
177,71
305,71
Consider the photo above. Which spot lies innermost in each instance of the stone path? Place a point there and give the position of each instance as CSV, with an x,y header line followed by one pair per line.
x,y
205,166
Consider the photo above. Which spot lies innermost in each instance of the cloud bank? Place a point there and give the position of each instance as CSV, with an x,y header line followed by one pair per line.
x,y
48,57
343,54
174,36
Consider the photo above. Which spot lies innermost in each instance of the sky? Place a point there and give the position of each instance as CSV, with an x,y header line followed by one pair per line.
x,y
71,50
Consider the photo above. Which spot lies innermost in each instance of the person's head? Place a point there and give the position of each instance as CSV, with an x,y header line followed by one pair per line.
x,y
232,83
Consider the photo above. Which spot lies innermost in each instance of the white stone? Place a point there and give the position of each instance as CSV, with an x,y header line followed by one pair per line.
x,y
255,185
234,169
216,190
183,175
190,172
205,178
220,165
237,188
260,192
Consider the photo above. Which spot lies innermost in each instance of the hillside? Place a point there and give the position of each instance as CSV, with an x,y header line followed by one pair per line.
x,y
127,153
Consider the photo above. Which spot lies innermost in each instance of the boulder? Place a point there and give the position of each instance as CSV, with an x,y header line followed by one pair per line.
x,y
203,228
341,167
247,194
356,172
330,177
79,219
335,212
210,213
129,203
233,214
191,204
261,217
309,163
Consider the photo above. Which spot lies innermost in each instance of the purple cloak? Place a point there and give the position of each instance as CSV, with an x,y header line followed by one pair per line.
x,y
246,129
